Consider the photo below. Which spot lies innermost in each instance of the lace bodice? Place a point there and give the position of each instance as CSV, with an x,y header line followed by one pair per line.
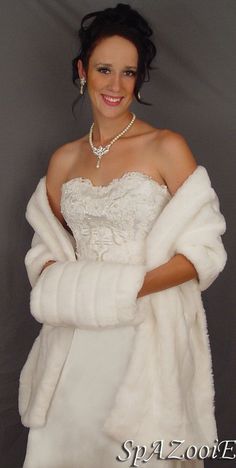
x,y
110,222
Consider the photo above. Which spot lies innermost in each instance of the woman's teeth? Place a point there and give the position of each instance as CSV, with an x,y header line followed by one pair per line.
x,y
110,100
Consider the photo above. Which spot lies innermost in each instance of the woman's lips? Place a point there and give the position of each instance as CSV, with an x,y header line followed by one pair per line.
x,y
111,101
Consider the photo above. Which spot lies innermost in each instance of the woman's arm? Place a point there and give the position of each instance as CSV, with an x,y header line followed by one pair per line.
x,y
176,271
47,264
178,162
55,177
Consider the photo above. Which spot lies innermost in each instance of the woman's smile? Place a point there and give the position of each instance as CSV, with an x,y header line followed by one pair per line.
x,y
111,100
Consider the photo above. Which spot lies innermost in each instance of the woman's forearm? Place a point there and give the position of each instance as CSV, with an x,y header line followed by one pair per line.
x,y
47,264
176,271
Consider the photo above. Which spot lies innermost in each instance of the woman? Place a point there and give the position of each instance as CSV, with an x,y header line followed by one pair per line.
x,y
94,186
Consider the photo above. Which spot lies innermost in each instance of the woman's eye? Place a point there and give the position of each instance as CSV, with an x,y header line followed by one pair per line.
x,y
127,72
132,73
102,70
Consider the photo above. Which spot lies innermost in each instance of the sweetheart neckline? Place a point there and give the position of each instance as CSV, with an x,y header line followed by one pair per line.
x,y
116,179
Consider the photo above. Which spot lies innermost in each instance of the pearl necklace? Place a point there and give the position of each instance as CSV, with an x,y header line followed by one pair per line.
x,y
101,150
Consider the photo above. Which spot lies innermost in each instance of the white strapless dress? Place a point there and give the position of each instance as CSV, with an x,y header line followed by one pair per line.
x,y
109,223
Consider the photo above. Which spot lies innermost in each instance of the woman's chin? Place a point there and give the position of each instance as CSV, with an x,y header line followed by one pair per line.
x,y
111,112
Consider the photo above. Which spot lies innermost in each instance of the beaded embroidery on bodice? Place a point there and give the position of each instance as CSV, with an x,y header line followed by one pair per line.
x,y
110,222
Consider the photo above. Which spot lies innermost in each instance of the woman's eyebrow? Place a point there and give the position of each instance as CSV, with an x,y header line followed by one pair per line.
x,y
110,65
104,64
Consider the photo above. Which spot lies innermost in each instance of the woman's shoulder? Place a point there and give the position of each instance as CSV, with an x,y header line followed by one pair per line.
x,y
158,135
176,158
165,141
64,158
65,153
174,148
59,166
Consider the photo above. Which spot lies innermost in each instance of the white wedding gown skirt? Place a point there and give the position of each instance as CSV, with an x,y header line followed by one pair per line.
x,y
109,223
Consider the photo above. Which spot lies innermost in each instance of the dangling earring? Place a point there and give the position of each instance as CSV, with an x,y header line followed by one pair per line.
x,y
82,83
139,95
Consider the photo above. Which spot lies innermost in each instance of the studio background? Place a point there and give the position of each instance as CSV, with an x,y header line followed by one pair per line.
x,y
192,92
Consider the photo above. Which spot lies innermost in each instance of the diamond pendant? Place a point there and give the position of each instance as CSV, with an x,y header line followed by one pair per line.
x,y
101,150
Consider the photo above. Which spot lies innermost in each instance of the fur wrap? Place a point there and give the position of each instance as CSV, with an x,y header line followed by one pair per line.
x,y
167,392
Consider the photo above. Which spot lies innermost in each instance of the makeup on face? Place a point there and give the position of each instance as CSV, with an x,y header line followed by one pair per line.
x,y
112,73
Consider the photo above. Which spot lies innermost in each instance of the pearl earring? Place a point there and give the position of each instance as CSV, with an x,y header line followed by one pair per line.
x,y
82,83
139,95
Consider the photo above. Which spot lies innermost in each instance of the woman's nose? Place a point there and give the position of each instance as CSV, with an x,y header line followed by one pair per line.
x,y
115,82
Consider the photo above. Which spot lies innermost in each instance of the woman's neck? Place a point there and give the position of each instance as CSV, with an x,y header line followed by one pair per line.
x,y
105,129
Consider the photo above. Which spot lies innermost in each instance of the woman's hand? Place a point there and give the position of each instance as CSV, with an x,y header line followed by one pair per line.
x,y
172,273
47,264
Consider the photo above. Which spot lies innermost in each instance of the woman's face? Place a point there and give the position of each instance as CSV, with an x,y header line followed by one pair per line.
x,y
111,75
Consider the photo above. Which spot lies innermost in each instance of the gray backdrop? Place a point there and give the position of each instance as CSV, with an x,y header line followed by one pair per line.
x,y
192,91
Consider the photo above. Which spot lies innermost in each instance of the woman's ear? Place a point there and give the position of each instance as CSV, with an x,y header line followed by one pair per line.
x,y
80,68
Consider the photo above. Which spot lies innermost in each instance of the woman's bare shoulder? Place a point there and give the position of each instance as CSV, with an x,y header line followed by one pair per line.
x,y
175,150
59,166
176,158
154,135
145,128
63,157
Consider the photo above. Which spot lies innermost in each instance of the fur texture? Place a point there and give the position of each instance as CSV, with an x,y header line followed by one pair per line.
x,y
167,392
87,294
